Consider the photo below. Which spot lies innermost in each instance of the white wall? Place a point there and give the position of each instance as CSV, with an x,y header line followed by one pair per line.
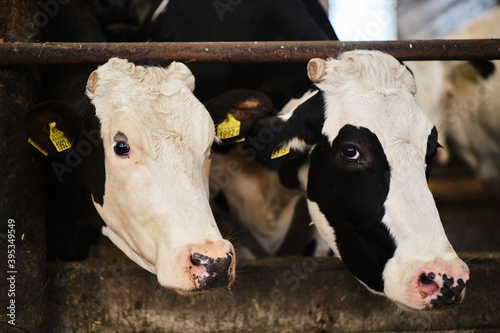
x,y
358,20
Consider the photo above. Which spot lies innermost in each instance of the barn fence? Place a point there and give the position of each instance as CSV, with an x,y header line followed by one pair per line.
x,y
282,294
232,52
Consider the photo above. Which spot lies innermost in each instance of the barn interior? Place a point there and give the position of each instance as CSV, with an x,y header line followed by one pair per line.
x,y
110,293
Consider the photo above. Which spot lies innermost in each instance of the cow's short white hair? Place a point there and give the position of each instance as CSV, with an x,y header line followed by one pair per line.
x,y
158,99
374,70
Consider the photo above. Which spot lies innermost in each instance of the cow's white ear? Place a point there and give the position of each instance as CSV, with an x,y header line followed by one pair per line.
x,y
316,69
181,72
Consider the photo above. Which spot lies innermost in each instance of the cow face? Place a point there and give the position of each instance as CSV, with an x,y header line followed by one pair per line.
x,y
367,150
367,184
156,140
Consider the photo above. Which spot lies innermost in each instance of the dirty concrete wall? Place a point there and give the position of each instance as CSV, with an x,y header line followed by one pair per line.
x,y
293,294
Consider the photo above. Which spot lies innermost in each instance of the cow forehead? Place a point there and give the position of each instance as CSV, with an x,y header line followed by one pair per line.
x,y
373,90
393,121
154,102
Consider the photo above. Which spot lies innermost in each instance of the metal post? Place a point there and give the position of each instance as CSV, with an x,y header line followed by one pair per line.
x,y
23,276
233,52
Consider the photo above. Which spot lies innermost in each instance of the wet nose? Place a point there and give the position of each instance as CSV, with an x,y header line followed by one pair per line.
x,y
211,265
211,273
440,290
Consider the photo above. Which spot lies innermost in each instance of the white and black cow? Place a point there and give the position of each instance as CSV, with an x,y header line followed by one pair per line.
x,y
139,157
361,149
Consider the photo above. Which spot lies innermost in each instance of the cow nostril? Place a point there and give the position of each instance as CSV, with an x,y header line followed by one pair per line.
x,y
426,285
216,272
427,279
196,259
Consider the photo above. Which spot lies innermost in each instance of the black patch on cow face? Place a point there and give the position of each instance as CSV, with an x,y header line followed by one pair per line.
x,y
93,168
349,180
432,149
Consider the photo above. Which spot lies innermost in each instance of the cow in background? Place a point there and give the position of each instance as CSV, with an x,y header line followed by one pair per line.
x,y
462,99
135,143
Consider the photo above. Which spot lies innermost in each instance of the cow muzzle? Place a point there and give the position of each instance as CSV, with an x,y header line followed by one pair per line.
x,y
210,266
440,289
432,285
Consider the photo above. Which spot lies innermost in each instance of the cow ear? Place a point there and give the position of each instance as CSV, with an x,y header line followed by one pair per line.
x,y
472,71
483,67
235,112
52,126
275,139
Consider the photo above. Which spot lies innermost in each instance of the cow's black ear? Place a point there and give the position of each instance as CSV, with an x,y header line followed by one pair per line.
x,y
50,124
235,112
484,67
275,139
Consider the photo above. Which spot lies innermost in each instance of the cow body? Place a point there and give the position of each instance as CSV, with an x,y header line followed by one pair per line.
x,y
462,99
258,20
139,148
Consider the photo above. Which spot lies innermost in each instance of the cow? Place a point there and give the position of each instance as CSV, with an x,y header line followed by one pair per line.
x,y
356,146
361,150
462,98
138,142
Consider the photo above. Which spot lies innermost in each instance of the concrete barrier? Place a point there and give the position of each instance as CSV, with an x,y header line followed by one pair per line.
x,y
291,294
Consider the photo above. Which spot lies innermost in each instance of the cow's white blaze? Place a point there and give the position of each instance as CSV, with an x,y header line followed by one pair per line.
x,y
155,199
374,91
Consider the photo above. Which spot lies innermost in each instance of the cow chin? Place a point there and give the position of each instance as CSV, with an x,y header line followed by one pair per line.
x,y
197,268
188,269
426,285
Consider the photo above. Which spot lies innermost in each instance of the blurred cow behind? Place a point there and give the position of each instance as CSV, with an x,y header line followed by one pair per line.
x,y
463,100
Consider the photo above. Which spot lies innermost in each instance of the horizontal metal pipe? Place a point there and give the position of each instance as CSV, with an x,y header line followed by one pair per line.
x,y
234,52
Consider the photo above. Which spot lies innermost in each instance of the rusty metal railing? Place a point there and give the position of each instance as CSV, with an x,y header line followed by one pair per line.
x,y
233,52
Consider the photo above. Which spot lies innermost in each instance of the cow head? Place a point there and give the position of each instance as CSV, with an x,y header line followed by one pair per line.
x,y
148,174
362,150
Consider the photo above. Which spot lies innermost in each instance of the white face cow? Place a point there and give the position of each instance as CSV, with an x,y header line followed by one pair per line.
x,y
156,140
362,150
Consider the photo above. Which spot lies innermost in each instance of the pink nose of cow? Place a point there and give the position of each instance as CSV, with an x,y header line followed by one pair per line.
x,y
438,288
211,266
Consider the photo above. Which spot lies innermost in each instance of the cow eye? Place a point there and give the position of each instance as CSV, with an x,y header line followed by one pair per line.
x,y
122,148
350,153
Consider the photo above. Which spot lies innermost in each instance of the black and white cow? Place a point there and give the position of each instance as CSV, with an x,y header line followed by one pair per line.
x,y
360,148
137,143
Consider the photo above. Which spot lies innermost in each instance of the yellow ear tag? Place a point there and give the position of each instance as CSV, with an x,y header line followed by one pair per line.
x,y
38,147
229,128
58,139
281,151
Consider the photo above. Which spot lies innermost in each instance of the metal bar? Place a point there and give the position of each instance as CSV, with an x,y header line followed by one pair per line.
x,y
234,52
